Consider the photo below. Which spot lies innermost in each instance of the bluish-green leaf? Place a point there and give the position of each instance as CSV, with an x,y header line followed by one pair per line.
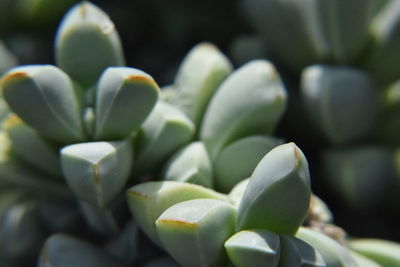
x,y
295,252
278,194
202,71
384,60
87,43
31,147
238,160
148,200
342,101
20,229
97,171
250,101
61,250
44,97
334,254
164,131
190,164
384,252
361,175
193,232
253,248
124,98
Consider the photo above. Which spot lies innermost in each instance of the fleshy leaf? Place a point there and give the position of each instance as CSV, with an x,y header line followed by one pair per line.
x,y
334,254
64,251
97,171
202,71
386,253
185,230
53,107
20,229
295,252
190,164
384,59
125,97
87,43
364,261
342,101
250,101
361,175
238,160
236,194
148,200
31,147
163,132
253,248
277,196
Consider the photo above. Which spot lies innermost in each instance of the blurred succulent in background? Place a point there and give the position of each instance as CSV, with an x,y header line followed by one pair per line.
x,y
342,79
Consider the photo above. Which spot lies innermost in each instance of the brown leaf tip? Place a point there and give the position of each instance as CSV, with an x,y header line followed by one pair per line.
x,y
142,79
177,222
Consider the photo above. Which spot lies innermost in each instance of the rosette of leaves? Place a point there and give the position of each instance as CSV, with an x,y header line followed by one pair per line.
x,y
234,113
256,224
67,140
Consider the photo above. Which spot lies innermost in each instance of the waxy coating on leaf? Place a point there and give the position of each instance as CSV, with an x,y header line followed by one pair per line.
x,y
250,101
334,254
277,196
342,101
194,231
238,160
363,261
386,253
97,171
190,164
61,250
148,200
124,98
44,97
202,71
254,248
87,43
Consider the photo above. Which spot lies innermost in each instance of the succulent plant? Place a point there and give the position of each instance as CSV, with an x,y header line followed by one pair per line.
x,y
98,167
342,82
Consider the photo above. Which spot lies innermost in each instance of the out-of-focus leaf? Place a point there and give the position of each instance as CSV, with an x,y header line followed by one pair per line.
x,y
87,43
250,101
97,171
202,71
31,147
277,196
253,248
64,251
361,175
124,98
384,60
185,230
238,160
190,164
334,254
386,253
148,200
342,101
